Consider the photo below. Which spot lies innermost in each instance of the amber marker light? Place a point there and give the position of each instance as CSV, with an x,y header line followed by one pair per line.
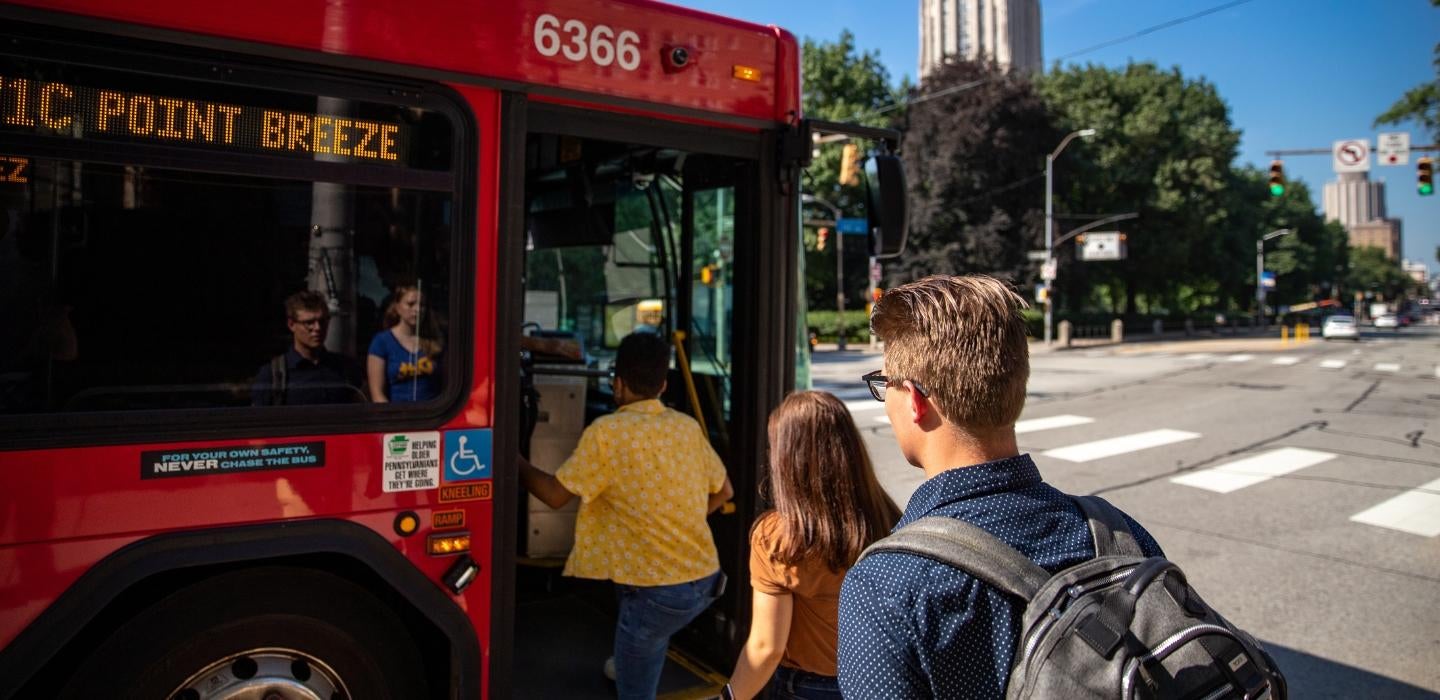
x,y
407,523
444,545
746,73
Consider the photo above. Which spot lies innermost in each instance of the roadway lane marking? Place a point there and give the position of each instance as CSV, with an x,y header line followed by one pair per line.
x,y
1239,474
1416,512
1386,367
1240,358
1089,451
883,419
1198,356
1051,423
1285,360
869,404
1437,371
1333,364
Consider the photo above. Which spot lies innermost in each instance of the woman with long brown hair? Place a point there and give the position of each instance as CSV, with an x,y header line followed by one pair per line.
x,y
828,508
404,358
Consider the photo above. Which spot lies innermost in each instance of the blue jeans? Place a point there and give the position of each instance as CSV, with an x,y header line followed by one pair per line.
x,y
649,615
795,684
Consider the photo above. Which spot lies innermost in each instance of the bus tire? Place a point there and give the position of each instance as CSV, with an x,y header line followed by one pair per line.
x,y
282,626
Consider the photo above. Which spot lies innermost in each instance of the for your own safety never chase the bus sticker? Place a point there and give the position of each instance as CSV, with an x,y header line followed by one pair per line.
x,y
411,461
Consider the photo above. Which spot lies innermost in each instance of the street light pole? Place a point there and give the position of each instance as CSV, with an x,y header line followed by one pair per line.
x,y
1050,219
1260,272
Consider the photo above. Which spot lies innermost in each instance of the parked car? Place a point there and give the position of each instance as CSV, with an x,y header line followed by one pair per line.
x,y
1339,326
1387,321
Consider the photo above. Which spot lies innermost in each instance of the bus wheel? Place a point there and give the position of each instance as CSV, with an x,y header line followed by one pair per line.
x,y
262,633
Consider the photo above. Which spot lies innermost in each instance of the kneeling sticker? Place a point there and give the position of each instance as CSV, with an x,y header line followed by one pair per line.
x,y
411,462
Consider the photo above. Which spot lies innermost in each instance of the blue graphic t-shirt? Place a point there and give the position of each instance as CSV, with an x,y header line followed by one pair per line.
x,y
408,376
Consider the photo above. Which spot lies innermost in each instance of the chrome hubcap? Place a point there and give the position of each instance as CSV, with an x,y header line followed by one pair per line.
x,y
263,674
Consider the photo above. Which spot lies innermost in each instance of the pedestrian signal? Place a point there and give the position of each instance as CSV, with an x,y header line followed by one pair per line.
x,y
824,234
1277,178
1425,177
850,165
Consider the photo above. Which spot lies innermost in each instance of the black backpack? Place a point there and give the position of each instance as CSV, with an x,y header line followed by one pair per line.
x,y
1118,626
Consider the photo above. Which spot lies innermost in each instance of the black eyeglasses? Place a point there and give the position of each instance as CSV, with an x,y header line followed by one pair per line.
x,y
878,383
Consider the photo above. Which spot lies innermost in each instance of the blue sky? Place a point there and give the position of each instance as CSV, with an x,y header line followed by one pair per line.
x,y
1296,73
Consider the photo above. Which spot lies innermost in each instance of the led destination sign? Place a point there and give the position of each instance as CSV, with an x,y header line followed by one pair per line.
x,y
62,109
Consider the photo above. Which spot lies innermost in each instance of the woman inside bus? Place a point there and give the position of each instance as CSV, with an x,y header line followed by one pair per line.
x,y
828,508
404,361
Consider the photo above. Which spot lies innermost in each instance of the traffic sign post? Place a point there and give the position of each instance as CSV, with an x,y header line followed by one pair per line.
x,y
1351,155
1393,148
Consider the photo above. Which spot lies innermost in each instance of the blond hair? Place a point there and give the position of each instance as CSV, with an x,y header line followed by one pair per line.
x,y
963,339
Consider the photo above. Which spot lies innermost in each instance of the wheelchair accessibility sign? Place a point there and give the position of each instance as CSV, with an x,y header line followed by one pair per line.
x,y
467,455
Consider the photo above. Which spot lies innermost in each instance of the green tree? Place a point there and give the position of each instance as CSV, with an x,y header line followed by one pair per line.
x,y
1371,270
975,166
1164,150
841,84
1420,103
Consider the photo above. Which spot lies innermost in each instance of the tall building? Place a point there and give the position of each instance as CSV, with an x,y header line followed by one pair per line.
x,y
1354,199
1004,31
1359,205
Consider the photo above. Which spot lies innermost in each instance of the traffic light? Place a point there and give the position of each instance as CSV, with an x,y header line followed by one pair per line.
x,y
1425,177
1277,178
850,165
824,235
709,275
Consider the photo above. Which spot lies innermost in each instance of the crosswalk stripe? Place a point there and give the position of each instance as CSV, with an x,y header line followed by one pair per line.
x,y
866,405
1285,360
1386,367
1089,451
1050,423
883,419
1240,358
1233,476
1416,512
1198,356
1333,364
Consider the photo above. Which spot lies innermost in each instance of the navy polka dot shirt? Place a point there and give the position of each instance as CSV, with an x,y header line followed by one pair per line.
x,y
911,627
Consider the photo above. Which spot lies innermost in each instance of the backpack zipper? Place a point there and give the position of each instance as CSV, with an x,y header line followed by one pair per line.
x,y
1165,648
1074,593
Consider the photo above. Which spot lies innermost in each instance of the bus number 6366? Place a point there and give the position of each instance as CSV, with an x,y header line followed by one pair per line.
x,y
600,45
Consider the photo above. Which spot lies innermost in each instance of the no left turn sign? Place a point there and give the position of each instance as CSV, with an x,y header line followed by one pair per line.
x,y
1351,155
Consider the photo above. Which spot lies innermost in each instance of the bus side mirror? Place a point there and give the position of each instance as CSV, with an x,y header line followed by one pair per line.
x,y
885,197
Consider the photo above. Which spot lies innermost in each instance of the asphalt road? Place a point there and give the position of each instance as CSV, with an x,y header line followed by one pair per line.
x,y
1297,485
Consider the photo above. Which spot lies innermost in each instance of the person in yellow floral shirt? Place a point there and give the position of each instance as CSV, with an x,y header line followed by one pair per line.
x,y
646,477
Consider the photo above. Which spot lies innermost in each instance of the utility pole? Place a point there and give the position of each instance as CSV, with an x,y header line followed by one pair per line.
x,y
1050,219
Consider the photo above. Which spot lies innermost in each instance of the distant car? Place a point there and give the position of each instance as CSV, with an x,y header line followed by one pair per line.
x,y
1387,321
1340,327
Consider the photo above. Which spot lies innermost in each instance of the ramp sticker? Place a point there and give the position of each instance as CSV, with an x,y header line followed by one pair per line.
x,y
467,455
411,461
230,459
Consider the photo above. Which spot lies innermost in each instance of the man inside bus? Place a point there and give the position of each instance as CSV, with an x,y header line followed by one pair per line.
x,y
307,373
647,478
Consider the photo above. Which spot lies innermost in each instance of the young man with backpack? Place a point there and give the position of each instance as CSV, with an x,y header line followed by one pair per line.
x,y
991,586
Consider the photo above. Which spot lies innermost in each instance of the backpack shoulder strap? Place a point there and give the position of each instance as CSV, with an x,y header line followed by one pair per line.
x,y
278,380
968,548
1111,533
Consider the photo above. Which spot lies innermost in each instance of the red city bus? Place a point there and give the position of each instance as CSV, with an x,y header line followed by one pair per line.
x,y
287,285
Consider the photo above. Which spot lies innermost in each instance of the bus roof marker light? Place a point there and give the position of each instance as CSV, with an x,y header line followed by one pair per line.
x,y
746,73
